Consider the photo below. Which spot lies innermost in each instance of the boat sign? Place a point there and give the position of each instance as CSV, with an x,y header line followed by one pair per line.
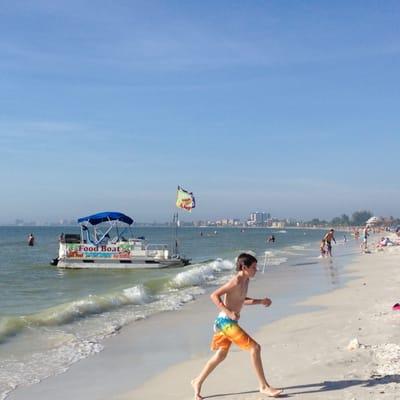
x,y
104,251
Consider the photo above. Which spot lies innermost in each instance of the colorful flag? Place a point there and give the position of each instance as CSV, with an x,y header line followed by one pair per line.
x,y
185,199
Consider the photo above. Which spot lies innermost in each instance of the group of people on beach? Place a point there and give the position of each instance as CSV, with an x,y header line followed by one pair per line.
x,y
326,241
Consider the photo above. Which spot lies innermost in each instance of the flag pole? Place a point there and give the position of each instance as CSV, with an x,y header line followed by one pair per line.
x,y
185,200
176,219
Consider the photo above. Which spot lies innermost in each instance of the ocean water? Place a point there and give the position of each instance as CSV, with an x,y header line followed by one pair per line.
x,y
51,318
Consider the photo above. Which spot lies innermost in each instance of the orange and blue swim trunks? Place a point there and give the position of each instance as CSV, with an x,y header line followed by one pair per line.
x,y
228,331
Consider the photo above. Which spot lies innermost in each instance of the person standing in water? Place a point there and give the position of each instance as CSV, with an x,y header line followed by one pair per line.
x,y
31,240
271,239
328,240
227,329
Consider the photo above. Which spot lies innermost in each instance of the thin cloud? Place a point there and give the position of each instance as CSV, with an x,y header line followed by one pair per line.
x,y
21,138
39,129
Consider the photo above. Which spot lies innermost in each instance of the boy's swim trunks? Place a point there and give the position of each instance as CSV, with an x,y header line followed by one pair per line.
x,y
228,331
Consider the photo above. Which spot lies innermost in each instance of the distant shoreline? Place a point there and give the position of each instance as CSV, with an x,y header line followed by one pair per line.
x,y
144,225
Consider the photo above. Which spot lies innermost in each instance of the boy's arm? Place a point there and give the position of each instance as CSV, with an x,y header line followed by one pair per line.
x,y
217,294
266,301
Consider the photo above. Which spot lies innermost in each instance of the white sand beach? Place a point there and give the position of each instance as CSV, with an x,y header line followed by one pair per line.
x,y
306,354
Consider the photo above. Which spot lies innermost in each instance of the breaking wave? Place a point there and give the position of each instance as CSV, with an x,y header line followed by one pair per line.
x,y
69,312
201,274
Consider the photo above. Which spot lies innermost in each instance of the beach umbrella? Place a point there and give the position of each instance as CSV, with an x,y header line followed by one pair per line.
x,y
373,221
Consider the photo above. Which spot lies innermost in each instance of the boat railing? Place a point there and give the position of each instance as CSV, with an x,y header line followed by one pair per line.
x,y
157,250
153,246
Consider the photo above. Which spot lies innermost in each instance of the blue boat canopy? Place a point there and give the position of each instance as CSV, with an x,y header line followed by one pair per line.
x,y
106,216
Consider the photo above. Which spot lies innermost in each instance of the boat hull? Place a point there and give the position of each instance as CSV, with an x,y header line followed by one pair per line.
x,y
126,264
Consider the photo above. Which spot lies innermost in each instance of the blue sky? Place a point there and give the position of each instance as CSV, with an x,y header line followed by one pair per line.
x,y
291,107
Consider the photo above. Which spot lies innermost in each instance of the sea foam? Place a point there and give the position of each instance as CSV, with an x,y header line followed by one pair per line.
x,y
38,366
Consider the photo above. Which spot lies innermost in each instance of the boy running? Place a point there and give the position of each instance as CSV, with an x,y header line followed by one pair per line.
x,y
227,329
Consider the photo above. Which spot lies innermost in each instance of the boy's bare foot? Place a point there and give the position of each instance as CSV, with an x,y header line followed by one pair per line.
x,y
196,388
271,392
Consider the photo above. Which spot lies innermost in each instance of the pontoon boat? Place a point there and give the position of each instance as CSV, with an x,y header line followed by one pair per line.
x,y
105,241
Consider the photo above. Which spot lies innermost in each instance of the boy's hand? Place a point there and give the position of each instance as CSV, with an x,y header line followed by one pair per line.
x,y
266,302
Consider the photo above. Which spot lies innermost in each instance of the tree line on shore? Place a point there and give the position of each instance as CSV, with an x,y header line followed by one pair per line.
x,y
358,218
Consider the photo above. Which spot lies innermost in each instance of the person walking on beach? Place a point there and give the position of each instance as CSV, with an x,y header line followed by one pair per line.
x,y
365,239
31,240
328,240
227,329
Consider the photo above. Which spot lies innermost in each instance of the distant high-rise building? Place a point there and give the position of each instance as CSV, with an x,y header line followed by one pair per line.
x,y
259,218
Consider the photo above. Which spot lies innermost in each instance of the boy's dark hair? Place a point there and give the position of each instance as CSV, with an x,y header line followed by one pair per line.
x,y
244,259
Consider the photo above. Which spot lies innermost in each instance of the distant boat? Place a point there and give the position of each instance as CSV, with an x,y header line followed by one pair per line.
x,y
106,242
283,231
